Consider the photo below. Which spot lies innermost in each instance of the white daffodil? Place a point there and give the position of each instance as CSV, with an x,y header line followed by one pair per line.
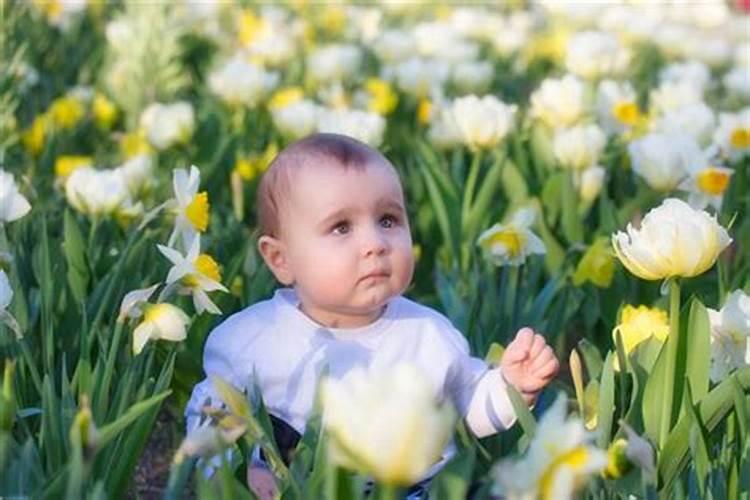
x,y
579,147
509,244
674,240
706,183
239,82
559,460
160,322
168,124
97,192
616,106
386,423
196,274
559,102
334,63
207,441
296,120
13,205
484,122
696,120
733,134
596,54
362,125
6,295
191,206
662,160
730,335
131,305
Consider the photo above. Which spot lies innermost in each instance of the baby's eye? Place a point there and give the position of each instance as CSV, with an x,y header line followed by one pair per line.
x,y
388,221
342,227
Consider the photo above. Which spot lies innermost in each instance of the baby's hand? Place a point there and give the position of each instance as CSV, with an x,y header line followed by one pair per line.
x,y
261,482
529,364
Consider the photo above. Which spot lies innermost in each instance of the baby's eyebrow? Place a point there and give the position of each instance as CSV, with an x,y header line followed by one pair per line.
x,y
390,204
341,213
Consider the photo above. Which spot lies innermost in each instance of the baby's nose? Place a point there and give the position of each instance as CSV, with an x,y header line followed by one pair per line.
x,y
375,243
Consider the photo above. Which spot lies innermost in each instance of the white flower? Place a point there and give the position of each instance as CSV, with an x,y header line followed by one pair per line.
x,y
195,274
484,122
63,12
696,120
674,240
364,126
559,102
693,73
137,172
662,159
558,461
334,63
512,34
13,205
673,95
444,132
439,40
386,423
730,335
737,82
710,49
393,46
168,124
160,321
510,244
97,192
733,134
595,54
239,82
131,305
579,147
472,76
421,77
616,106
6,292
191,206
591,182
297,119
706,183
207,441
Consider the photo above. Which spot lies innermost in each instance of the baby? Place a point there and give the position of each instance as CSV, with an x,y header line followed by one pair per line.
x,y
334,230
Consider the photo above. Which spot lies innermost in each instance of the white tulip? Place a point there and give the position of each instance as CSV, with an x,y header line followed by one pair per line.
x,y
696,120
484,122
559,102
13,205
472,76
97,192
662,160
334,63
674,240
421,77
444,132
595,54
393,46
591,183
737,82
364,126
579,147
386,423
694,73
730,335
239,82
137,173
297,119
673,95
168,124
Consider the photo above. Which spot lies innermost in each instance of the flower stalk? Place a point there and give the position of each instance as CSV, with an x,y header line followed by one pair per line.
x,y
671,375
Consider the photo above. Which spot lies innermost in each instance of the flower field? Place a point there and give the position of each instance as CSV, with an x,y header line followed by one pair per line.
x,y
583,169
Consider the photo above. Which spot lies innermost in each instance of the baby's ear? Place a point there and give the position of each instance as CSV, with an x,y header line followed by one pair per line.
x,y
273,252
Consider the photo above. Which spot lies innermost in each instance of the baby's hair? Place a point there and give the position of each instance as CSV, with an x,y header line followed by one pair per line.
x,y
314,150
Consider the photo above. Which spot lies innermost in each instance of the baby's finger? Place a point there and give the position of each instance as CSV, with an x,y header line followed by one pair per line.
x,y
537,346
519,348
543,358
548,370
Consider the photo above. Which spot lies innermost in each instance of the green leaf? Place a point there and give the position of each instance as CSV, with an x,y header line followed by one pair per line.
x,y
525,418
454,479
111,430
551,196
698,440
740,407
653,394
572,224
75,255
441,212
606,402
698,346
591,358
514,184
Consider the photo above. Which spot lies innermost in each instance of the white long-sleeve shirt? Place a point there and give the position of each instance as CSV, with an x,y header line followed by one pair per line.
x,y
275,345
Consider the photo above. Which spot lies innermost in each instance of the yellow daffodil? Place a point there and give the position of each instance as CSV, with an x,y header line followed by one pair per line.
x,y
511,243
104,111
638,324
195,274
134,144
284,97
424,111
597,265
250,167
558,462
250,26
385,423
160,321
66,164
192,206
34,137
65,112
383,99
674,240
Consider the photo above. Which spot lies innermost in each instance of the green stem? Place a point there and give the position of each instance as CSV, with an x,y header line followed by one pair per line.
x,y
471,183
103,392
672,345
387,492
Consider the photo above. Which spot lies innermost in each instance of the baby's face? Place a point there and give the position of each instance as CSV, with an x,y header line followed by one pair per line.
x,y
347,242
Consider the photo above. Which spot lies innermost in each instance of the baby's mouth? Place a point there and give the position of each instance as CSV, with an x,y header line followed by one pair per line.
x,y
376,275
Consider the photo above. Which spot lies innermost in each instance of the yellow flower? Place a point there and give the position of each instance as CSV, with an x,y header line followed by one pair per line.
x,y
66,164
284,97
626,112
83,431
638,324
134,144
597,265
511,243
66,112
250,27
674,240
617,462
160,321
33,138
104,110
383,99
424,111
333,19
740,138
251,166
